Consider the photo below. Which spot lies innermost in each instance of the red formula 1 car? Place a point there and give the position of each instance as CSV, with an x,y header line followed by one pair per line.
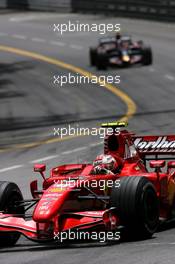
x,y
121,52
137,196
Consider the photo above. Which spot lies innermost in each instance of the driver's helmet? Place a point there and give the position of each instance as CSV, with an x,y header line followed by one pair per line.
x,y
106,161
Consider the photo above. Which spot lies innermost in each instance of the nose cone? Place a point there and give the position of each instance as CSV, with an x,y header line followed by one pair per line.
x,y
50,203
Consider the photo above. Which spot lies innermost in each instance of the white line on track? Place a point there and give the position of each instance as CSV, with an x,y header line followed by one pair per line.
x,y
65,153
152,69
2,34
169,77
56,156
96,144
19,36
57,43
155,244
50,157
38,40
41,40
11,168
22,18
76,47
44,159
74,150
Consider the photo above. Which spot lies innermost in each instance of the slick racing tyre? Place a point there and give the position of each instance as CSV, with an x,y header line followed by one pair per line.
x,y
136,203
102,61
147,56
9,195
92,56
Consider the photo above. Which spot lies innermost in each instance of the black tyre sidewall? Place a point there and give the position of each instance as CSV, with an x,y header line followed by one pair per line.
x,y
131,202
92,55
147,56
9,194
147,208
101,62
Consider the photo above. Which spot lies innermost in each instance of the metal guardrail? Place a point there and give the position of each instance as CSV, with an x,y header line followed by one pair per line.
x,y
147,9
43,5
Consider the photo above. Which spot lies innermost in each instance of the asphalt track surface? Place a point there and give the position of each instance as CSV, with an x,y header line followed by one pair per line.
x,y
31,106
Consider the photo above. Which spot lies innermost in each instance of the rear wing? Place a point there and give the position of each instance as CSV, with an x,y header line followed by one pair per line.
x,y
107,40
155,145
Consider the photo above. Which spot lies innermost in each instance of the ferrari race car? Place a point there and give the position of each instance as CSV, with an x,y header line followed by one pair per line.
x,y
121,52
137,197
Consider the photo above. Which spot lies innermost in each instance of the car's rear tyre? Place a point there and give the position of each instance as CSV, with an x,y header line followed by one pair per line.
x,y
137,206
147,56
9,195
92,56
102,61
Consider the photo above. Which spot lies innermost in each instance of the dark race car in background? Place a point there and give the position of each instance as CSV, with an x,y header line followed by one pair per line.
x,y
121,52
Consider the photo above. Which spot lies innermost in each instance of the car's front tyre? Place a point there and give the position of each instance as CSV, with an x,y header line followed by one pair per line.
x,y
147,56
9,195
102,61
92,56
137,206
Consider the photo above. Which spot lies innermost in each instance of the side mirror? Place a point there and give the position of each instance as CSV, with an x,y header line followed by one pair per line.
x,y
40,168
157,164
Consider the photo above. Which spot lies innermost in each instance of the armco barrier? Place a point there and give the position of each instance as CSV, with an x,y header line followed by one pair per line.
x,y
42,5
147,9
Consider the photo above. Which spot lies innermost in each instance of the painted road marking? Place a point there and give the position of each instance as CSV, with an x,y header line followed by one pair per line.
x,y
152,69
57,43
11,168
64,153
131,106
169,77
38,40
39,143
41,40
96,144
19,36
2,34
74,150
156,244
22,18
44,159
76,47
49,157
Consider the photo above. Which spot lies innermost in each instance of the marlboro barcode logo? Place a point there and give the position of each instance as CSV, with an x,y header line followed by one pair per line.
x,y
160,144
